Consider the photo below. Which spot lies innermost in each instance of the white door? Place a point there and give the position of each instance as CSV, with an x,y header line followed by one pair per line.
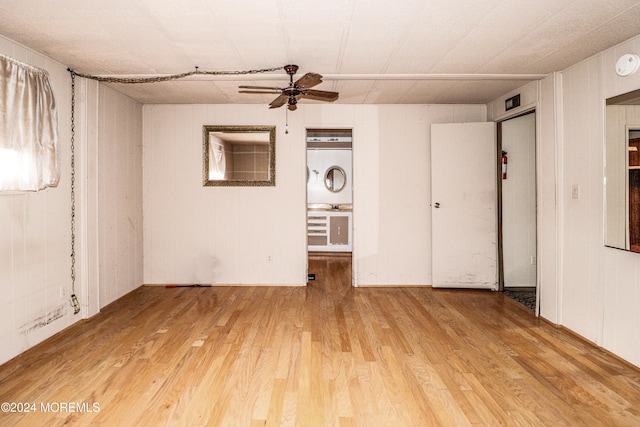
x,y
463,205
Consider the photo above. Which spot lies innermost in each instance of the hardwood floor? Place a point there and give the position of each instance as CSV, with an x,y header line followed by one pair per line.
x,y
324,355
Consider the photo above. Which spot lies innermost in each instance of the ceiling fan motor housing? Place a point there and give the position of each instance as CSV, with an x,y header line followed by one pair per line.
x,y
291,69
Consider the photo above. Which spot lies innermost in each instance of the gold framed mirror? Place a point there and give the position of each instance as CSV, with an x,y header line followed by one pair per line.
x,y
238,155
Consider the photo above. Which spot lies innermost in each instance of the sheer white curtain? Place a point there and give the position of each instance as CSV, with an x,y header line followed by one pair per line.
x,y
29,147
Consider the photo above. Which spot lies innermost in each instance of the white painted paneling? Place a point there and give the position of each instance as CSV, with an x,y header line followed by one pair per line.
x,y
220,235
120,195
35,236
549,258
621,294
393,189
582,168
583,285
229,232
35,227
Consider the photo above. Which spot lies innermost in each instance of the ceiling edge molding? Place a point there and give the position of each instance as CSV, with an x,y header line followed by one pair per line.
x,y
353,77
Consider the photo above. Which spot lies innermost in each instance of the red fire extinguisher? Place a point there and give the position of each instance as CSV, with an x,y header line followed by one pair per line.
x,y
504,165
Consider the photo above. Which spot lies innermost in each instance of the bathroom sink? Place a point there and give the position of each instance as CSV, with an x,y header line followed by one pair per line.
x,y
344,207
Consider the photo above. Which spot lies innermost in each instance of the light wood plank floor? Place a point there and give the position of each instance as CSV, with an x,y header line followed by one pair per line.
x,y
324,355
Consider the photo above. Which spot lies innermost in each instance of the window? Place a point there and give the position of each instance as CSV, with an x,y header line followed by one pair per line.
x,y
29,155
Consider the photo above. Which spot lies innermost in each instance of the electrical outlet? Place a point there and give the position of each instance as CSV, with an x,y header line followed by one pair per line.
x,y
63,292
269,259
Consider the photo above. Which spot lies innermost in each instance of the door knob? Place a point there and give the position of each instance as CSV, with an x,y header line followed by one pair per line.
x,y
436,205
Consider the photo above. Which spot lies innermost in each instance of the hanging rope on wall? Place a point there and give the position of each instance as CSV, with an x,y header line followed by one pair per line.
x,y
74,298
165,78
127,80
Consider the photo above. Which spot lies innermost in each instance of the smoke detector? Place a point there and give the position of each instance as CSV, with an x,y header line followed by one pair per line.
x,y
627,64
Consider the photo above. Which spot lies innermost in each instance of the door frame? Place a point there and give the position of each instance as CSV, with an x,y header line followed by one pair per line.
x,y
351,255
500,236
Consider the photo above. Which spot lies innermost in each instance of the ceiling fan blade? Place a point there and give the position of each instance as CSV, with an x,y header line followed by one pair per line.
x,y
320,95
260,92
279,101
260,87
309,80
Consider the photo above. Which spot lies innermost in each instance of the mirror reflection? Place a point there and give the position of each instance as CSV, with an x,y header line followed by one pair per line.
x,y
238,155
622,180
335,179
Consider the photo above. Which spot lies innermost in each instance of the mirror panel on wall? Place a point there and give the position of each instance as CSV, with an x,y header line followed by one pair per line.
x,y
622,166
335,179
239,155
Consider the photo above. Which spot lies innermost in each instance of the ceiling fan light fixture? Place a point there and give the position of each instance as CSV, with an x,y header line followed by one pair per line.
x,y
299,89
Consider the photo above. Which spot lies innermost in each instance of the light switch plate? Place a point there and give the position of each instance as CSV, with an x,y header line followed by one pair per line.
x,y
575,192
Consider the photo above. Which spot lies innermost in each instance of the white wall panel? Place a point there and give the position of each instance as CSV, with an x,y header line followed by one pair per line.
x,y
119,195
34,238
599,292
399,251
221,235
621,283
583,218
226,234
548,156
35,230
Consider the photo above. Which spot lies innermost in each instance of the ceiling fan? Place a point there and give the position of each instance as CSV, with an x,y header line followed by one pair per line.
x,y
296,90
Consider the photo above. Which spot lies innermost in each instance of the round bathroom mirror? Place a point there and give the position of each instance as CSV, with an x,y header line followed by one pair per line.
x,y
335,179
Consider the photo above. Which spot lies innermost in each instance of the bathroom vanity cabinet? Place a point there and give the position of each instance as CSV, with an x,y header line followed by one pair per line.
x,y
328,230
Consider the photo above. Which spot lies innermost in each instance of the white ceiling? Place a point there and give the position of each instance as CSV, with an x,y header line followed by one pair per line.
x,y
371,51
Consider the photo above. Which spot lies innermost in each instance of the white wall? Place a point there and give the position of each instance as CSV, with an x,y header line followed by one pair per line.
x,y
119,189
196,234
225,235
549,207
392,215
35,229
34,238
583,281
621,270
591,289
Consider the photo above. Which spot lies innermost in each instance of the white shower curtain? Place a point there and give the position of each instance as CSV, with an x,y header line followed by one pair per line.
x,y
29,147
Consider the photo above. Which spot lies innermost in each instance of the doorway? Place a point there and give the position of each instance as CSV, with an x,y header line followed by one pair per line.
x,y
329,197
517,222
